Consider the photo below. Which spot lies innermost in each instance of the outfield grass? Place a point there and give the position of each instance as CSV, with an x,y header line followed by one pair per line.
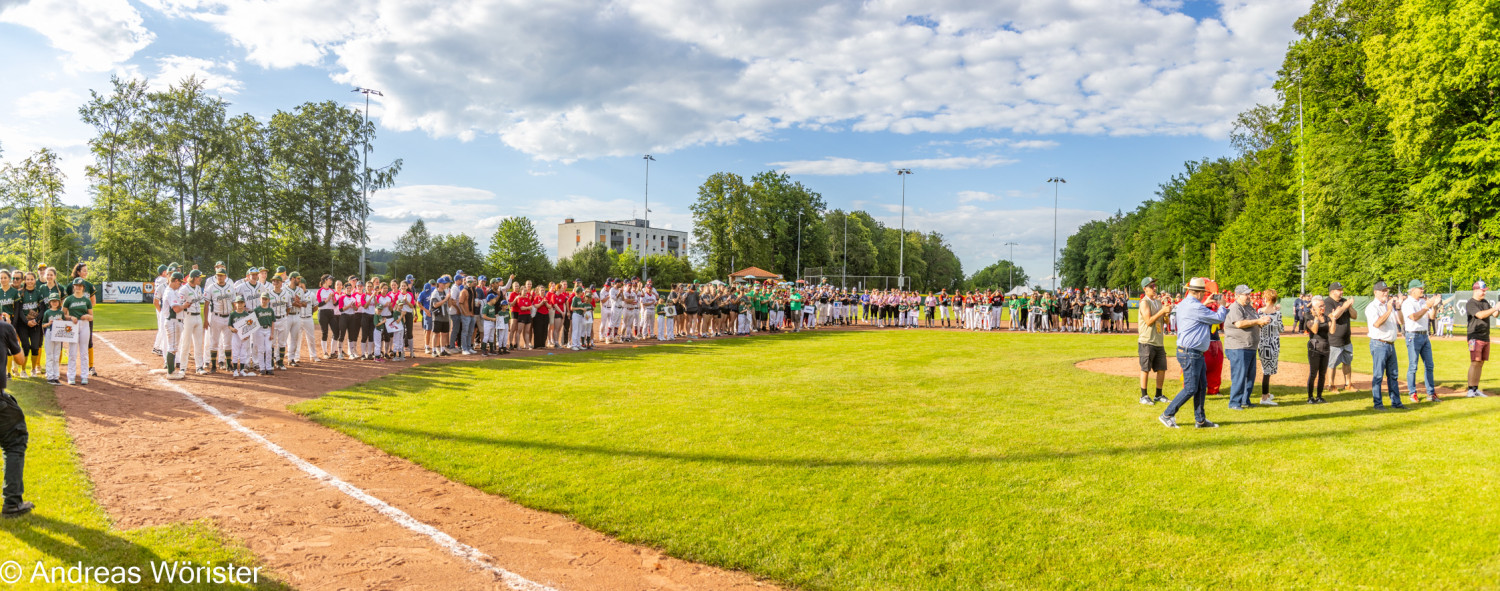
x,y
109,317
945,460
68,527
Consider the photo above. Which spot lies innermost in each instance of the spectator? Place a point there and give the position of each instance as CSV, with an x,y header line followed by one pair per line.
x,y
1383,316
1241,338
1415,312
1269,346
1150,345
1479,312
1317,348
1194,323
1340,347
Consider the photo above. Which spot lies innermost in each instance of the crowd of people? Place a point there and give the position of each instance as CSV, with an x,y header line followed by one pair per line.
x,y
1246,331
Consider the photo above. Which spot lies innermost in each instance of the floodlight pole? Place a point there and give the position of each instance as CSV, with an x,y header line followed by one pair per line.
x,y
364,190
1057,182
1012,284
901,257
644,264
845,282
799,244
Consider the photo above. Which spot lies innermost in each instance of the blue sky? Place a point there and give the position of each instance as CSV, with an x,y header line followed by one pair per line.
x,y
502,108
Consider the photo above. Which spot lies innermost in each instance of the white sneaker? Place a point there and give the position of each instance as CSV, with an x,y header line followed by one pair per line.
x,y
83,382
70,382
1268,402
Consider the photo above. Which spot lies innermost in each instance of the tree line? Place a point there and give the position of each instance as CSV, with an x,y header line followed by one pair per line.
x,y
1386,133
175,177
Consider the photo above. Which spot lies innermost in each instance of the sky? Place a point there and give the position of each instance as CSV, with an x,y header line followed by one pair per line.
x,y
503,108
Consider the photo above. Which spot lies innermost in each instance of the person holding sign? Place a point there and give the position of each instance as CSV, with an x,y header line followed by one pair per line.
x,y
53,315
79,309
241,325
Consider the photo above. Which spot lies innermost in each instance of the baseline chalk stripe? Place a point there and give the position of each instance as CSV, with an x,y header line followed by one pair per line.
x,y
457,548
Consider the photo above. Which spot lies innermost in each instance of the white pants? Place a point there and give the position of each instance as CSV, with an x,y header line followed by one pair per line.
x,y
302,328
170,330
53,354
263,349
78,354
240,349
667,328
575,339
606,318
219,335
192,341
161,331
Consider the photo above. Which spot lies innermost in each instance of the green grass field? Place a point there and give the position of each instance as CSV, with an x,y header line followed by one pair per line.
x,y
945,460
68,527
109,317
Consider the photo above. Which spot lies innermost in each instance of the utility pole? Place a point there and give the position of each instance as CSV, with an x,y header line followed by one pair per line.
x,y
901,257
1302,181
364,190
845,281
799,244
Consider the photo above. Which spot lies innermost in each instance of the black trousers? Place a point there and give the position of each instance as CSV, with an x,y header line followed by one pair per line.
x,y
1317,368
13,442
31,338
539,330
325,324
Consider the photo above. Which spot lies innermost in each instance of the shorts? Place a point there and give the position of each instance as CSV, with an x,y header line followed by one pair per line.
x,y
1479,350
1341,356
523,318
1153,357
440,326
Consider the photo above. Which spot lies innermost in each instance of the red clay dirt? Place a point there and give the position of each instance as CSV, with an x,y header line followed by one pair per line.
x,y
157,458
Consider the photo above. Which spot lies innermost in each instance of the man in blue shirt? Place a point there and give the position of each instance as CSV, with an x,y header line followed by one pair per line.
x,y
1193,323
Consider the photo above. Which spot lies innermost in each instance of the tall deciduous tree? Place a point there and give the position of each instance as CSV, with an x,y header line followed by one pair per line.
x,y
516,250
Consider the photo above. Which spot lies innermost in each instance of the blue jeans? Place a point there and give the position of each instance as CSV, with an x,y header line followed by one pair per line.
x,y
464,336
1194,384
1417,345
1241,376
1383,355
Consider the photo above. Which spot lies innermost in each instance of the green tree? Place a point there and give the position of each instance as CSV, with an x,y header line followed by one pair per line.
x,y
516,250
413,253
458,252
32,191
1003,275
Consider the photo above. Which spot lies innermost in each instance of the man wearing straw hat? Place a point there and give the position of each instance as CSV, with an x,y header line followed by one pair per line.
x,y
1194,323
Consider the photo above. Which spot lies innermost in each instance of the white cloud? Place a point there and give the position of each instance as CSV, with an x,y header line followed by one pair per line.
x,y
570,79
48,103
833,166
215,76
95,35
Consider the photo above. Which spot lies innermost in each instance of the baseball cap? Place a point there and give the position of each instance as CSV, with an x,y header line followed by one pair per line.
x,y
78,281
251,270
177,275
1147,281
1242,289
280,269
219,271
442,280
161,269
294,274
1335,285
54,298
410,277
265,296
1481,285
277,277
219,264
40,266
239,299
1415,283
173,265
194,273
1381,286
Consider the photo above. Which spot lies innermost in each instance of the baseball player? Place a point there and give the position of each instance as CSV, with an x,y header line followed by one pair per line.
x,y
647,315
79,308
53,351
302,324
281,325
328,321
171,301
159,286
265,326
220,294
239,344
194,322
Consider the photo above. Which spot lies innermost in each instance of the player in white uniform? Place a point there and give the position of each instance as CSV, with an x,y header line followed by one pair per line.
x,y
302,321
250,289
171,301
194,322
220,294
158,288
281,329
647,314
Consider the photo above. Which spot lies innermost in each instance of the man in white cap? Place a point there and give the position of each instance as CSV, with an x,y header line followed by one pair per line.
x,y
1479,312
1384,319
1415,312
1194,323
1241,338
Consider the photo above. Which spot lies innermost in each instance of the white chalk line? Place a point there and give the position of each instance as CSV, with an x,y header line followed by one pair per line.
x,y
457,548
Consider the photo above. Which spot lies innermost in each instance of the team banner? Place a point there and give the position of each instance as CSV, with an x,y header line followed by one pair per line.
x,y
245,327
127,292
